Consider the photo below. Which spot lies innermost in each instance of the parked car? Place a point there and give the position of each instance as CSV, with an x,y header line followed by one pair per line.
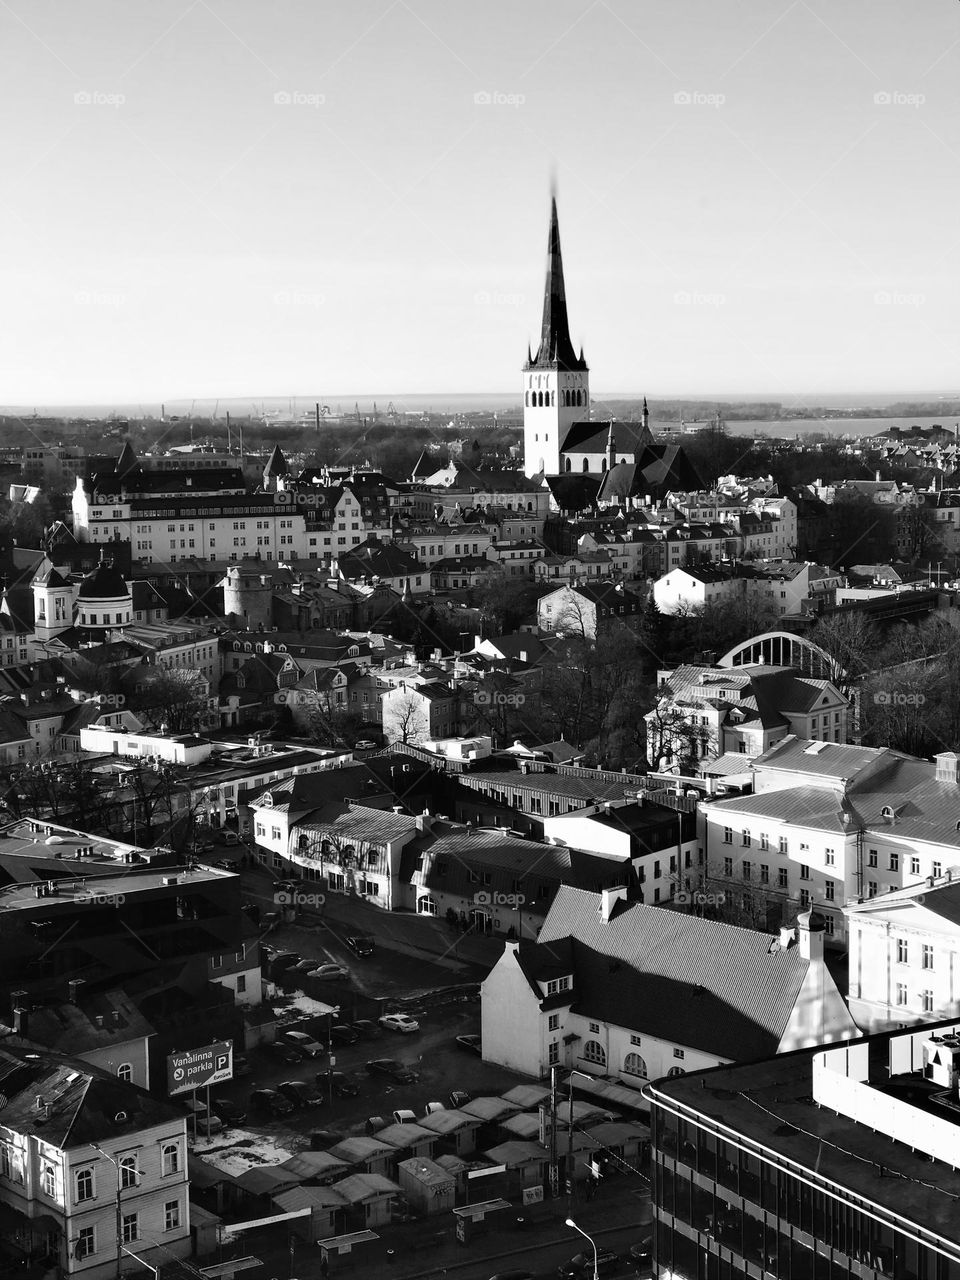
x,y
366,1029
361,944
343,1086
304,1043
320,1139
404,1116
580,1265
228,1112
393,1070
459,1098
344,1035
241,1068
284,960
300,1093
207,1123
270,1101
285,1052
303,966
328,971
401,1022
471,1043
365,744
229,838
270,919
641,1253
225,864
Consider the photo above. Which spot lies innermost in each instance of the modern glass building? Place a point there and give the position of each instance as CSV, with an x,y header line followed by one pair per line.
x,y
821,1164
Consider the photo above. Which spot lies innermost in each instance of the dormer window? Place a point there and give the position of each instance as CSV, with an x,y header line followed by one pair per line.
x,y
888,813
556,985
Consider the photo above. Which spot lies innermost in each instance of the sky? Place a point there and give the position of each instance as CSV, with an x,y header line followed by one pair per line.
x,y
315,198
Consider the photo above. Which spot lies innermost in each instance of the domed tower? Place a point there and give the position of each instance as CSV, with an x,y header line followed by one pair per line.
x,y
105,599
53,594
248,599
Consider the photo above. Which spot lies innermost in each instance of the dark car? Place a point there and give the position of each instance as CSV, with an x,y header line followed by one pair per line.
x,y
228,1112
344,1035
580,1266
285,1052
459,1098
641,1253
361,944
471,1043
241,1068
284,960
300,1093
271,1101
393,1070
343,1086
320,1139
366,1029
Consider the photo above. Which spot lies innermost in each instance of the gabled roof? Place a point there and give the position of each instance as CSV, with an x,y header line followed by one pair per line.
x,y
702,983
84,1104
277,463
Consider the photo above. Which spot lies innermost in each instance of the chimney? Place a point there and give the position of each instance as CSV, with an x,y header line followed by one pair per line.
x,y
788,936
116,1017
20,1019
608,900
98,1020
948,767
73,989
424,821
810,933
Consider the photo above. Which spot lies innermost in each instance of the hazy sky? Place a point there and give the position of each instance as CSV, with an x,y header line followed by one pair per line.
x,y
308,197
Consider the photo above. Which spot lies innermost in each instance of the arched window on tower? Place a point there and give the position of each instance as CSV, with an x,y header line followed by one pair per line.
x,y
553,399
586,464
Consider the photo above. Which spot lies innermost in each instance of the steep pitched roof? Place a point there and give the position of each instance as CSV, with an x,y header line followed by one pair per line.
x,y
555,350
703,983
277,463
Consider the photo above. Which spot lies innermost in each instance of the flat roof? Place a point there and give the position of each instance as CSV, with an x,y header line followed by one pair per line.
x,y
771,1104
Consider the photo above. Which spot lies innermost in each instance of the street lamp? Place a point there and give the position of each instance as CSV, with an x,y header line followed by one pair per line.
x,y
570,1162
593,1245
119,1168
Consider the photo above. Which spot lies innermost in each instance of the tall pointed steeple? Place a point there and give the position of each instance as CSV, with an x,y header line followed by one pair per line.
x,y
556,350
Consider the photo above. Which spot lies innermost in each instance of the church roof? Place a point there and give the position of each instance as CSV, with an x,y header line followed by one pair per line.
x,y
593,437
105,583
127,461
555,350
277,464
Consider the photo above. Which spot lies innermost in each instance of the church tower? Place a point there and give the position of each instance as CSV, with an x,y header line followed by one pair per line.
x,y
556,381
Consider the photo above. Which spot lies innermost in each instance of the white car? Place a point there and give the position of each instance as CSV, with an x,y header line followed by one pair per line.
x,y
399,1022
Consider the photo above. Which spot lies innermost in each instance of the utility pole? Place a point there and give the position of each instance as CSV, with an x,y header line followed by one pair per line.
x,y
554,1175
119,1169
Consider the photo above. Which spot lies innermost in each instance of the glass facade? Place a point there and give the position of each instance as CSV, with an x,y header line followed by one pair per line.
x,y
723,1213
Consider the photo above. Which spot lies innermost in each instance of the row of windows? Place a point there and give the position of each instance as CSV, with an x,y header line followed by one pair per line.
x,y
85,1245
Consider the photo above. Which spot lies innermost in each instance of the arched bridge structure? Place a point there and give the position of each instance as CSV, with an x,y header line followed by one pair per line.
x,y
783,649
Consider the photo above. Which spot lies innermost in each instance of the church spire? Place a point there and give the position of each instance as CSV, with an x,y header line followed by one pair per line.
x,y
556,350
